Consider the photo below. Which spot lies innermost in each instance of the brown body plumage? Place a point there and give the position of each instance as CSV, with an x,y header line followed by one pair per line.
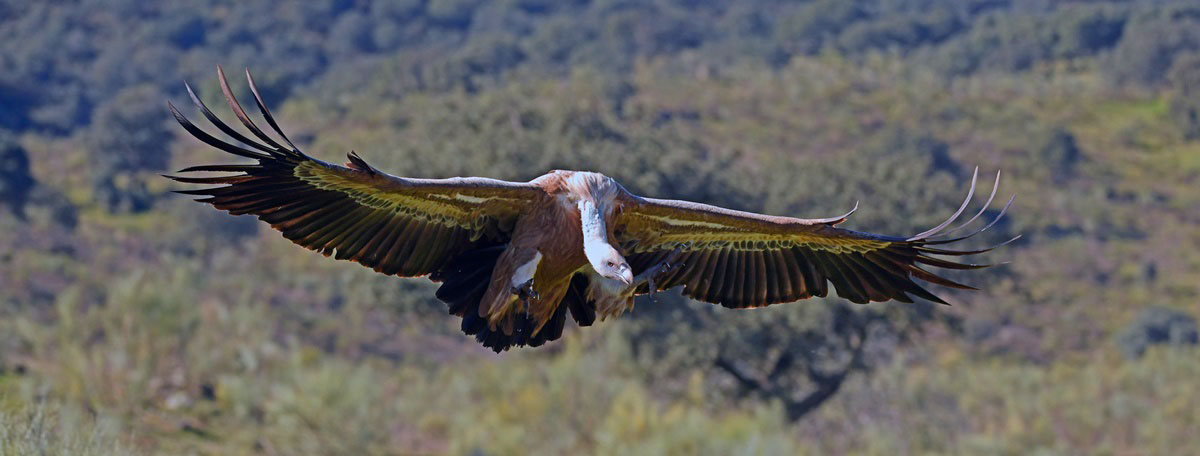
x,y
515,258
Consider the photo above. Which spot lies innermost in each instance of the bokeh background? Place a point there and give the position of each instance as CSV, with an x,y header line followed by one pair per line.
x,y
135,321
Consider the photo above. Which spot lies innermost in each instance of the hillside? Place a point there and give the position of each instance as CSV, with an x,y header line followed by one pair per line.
x,y
133,320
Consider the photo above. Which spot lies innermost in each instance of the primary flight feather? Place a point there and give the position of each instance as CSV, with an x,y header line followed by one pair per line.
x,y
515,258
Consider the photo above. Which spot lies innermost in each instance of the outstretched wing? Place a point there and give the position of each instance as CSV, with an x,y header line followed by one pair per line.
x,y
395,225
741,259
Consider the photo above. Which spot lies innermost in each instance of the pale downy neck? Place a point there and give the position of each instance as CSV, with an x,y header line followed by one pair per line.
x,y
595,233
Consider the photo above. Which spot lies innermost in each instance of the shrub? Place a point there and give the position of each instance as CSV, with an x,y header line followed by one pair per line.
x,y
15,179
1158,326
1185,103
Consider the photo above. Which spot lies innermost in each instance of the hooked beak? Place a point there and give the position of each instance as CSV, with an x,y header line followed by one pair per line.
x,y
627,276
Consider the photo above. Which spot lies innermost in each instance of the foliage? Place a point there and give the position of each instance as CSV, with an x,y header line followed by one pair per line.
x,y
1013,42
130,133
15,180
1185,104
1061,152
1153,41
35,430
1158,326
132,321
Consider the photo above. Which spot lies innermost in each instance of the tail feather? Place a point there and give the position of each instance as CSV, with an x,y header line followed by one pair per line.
x,y
583,310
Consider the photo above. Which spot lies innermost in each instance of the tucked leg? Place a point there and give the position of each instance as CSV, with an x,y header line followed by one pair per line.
x,y
648,276
525,292
512,282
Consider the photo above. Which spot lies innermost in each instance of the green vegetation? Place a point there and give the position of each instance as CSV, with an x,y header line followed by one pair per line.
x,y
50,432
133,321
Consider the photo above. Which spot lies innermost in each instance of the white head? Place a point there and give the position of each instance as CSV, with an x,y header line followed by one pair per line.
x,y
605,259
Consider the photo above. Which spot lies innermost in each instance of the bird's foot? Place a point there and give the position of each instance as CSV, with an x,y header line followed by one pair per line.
x,y
526,292
666,265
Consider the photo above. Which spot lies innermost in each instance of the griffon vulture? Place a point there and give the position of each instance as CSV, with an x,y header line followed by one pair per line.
x,y
514,258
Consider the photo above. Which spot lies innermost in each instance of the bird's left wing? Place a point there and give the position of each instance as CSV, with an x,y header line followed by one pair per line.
x,y
742,259
395,225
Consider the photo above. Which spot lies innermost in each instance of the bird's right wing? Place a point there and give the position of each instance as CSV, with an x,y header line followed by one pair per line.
x,y
408,227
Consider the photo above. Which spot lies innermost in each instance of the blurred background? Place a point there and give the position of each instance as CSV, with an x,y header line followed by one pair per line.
x,y
135,321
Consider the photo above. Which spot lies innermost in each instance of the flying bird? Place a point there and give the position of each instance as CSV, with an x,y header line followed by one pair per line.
x,y
514,258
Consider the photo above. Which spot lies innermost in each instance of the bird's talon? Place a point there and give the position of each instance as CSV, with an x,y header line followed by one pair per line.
x,y
525,292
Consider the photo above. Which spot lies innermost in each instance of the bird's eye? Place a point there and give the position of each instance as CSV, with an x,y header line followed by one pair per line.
x,y
611,264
